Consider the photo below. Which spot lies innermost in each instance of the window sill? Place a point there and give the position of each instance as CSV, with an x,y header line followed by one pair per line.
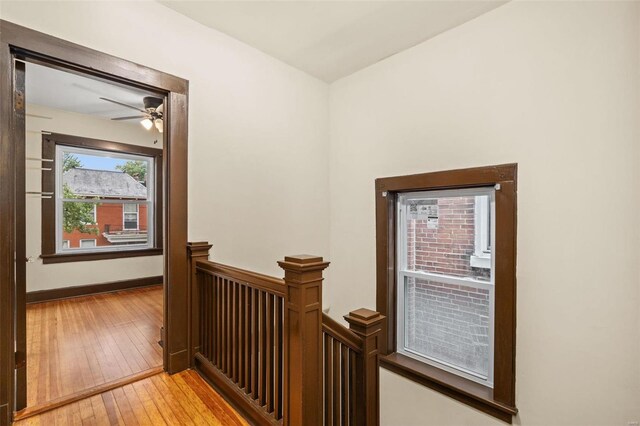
x,y
82,257
480,261
461,389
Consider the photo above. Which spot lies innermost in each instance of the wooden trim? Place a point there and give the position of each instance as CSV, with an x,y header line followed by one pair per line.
x,y
233,394
85,290
23,43
264,282
74,57
49,143
387,189
84,394
459,388
341,333
83,257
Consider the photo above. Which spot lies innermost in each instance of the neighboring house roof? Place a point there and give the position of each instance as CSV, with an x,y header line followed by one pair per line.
x,y
103,183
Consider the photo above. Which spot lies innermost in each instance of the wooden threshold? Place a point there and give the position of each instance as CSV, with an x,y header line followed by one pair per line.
x,y
87,393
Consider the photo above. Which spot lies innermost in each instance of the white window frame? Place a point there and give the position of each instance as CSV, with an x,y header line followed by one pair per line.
x,y
67,242
137,213
482,255
402,272
149,202
95,242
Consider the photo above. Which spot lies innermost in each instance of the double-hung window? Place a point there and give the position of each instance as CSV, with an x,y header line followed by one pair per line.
x,y
445,305
446,282
92,186
106,200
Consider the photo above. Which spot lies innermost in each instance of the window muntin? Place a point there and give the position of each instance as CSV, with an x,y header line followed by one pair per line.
x,y
111,231
445,303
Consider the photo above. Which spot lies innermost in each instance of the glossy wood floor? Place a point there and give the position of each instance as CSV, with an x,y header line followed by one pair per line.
x,y
76,344
181,399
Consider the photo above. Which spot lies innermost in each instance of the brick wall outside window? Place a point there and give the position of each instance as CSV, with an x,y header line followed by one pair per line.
x,y
448,322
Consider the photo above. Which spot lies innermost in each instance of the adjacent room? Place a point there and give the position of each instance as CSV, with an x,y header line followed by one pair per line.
x,y
320,212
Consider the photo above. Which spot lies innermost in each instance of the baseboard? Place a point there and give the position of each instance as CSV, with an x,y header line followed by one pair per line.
x,y
85,290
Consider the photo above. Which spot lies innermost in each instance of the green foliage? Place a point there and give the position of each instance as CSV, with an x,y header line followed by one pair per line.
x,y
70,161
135,169
77,215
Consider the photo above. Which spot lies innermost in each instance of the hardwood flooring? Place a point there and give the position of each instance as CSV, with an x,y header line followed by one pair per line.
x,y
80,343
182,399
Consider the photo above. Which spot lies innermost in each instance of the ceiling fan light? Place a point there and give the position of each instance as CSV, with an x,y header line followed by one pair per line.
x,y
159,124
146,123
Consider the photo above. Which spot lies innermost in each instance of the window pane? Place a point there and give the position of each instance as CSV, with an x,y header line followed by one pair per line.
x,y
117,184
104,175
448,323
87,243
442,232
107,224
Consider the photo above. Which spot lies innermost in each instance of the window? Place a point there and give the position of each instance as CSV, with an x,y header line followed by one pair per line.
x,y
106,195
446,282
130,216
87,243
445,305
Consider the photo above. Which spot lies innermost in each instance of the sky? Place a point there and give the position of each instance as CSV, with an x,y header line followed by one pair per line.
x,y
99,162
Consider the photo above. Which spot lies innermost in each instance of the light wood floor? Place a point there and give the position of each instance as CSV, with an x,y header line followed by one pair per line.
x,y
181,399
76,344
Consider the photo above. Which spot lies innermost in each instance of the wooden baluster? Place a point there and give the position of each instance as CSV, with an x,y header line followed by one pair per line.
x,y
233,371
269,354
344,384
255,323
262,390
328,386
353,379
247,334
219,323
277,394
303,277
196,251
368,325
335,360
241,348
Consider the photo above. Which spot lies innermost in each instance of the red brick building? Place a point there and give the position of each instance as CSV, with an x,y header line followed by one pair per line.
x,y
116,223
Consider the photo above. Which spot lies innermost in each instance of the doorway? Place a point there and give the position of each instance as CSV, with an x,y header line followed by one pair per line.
x,y
93,229
20,46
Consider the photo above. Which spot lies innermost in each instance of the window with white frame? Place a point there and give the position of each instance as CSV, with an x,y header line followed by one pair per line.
x,y
445,311
115,187
87,243
130,216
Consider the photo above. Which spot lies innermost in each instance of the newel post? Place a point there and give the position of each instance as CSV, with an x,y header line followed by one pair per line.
x,y
303,397
368,325
197,251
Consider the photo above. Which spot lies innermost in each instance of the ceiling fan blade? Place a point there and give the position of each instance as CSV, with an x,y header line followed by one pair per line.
x,y
125,105
39,116
132,117
160,109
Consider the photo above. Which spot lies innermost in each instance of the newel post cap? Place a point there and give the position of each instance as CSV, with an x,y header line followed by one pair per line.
x,y
303,263
198,248
364,319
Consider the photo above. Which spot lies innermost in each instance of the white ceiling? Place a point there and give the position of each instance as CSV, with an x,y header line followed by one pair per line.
x,y
71,92
332,39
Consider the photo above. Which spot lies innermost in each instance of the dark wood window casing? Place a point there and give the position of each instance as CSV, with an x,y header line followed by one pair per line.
x,y
49,142
499,401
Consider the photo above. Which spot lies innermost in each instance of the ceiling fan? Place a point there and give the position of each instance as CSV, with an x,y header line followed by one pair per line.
x,y
152,112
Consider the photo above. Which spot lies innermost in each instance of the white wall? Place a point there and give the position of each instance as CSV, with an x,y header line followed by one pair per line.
x,y
40,276
555,88
258,129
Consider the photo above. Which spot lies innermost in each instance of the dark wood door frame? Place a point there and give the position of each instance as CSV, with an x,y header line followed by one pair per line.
x,y
18,42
